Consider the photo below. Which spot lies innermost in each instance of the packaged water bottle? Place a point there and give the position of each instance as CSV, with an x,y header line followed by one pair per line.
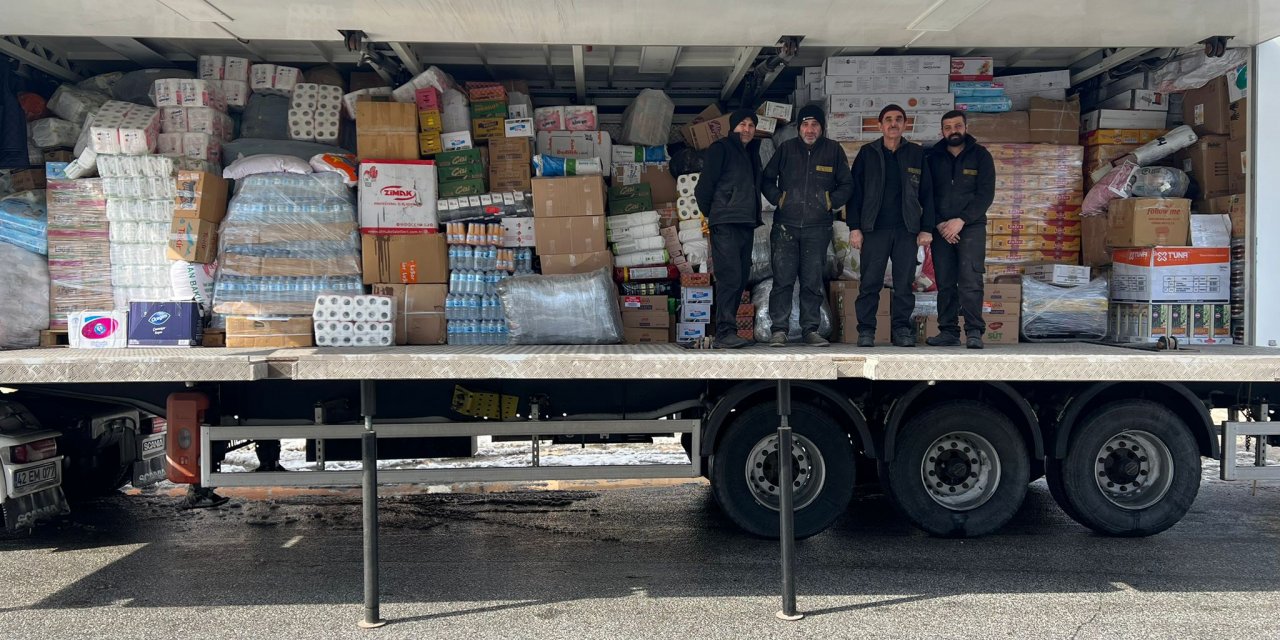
x,y
450,310
451,333
453,257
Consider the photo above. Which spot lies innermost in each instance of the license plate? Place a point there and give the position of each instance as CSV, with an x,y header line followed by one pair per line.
x,y
153,446
34,476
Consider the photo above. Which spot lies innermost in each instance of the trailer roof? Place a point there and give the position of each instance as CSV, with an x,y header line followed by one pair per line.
x,y
1010,363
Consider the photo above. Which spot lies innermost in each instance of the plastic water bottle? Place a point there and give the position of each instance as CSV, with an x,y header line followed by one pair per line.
x,y
450,312
451,333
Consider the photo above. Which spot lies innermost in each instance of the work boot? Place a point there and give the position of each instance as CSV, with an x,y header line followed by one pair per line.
x,y
814,340
203,498
904,338
943,340
778,339
731,341
866,340
974,341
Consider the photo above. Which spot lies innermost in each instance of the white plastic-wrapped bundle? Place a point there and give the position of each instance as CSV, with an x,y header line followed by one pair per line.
x,y
432,77
569,309
456,116
764,324
1165,146
647,120
49,133
75,105
632,220
193,281
354,321
636,232
24,287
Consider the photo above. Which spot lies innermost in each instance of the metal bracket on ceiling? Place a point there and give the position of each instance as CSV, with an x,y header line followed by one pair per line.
x,y
763,74
389,69
39,57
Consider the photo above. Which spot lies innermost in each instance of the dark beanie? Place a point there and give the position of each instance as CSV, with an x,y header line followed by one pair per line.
x,y
738,116
812,111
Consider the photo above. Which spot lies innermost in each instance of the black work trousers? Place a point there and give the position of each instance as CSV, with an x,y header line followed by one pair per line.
x,y
798,253
959,268
731,258
878,247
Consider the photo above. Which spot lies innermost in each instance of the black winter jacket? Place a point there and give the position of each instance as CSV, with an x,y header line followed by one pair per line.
x,y
13,123
728,191
964,186
807,184
868,187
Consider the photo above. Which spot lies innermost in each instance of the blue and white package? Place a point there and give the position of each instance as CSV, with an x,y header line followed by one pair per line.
x,y
23,221
990,104
977,89
165,324
555,166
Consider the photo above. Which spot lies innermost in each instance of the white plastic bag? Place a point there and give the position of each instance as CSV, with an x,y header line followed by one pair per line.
x,y
49,133
456,115
24,287
1197,70
647,120
266,163
75,105
193,281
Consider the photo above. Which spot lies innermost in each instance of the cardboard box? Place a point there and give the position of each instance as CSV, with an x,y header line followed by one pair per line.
x,y
462,188
489,109
1171,274
510,150
1137,99
486,128
1141,80
420,317
563,264
1236,209
456,141
1210,230
972,69
429,144
1058,242
579,145
517,232
893,83
269,333
1121,136
27,179
518,127
458,157
646,336
639,319
454,172
690,331
658,176
583,234
193,240
1000,329
427,99
1142,222
430,121
710,113
872,103
568,197
1239,120
888,65
398,196
645,303
1014,127
695,312
165,324
697,295
1237,164
1054,122
1120,119
1067,275
775,110
630,205
1207,109
1208,164
200,195
1036,82
386,131
702,135
405,259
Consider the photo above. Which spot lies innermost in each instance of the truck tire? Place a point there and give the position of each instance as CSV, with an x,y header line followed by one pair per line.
x,y
960,470
1132,469
744,470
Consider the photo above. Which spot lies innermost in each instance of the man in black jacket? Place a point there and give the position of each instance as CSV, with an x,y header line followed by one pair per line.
x,y
728,194
964,182
807,180
890,215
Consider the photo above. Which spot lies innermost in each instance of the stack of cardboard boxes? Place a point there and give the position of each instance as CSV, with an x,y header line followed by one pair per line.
x,y
695,313
646,319
461,173
200,206
1035,216
430,121
569,227
488,110
509,161
386,131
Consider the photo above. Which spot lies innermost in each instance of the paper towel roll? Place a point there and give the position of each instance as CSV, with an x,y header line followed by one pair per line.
x,y
691,235
692,223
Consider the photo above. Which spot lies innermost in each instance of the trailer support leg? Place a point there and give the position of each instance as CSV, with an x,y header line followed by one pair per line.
x,y
369,465
786,511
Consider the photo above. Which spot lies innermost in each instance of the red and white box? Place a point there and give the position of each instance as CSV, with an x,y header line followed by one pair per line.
x,y
1171,274
973,69
398,197
581,118
549,119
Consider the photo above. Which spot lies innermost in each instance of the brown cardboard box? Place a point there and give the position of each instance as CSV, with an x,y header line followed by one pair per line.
x,y
386,130
1235,206
406,259
193,240
564,264
1011,127
1207,110
584,234
269,333
27,179
1145,222
1000,329
1106,153
1237,165
511,149
1206,161
710,113
1239,117
1006,292
419,311
1054,121
1120,136
662,185
200,195
58,155
568,197
645,303
656,319
244,265
703,134
646,336
1093,241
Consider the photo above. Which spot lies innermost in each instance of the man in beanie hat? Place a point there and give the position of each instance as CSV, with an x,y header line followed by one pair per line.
x,y
729,195
807,180
890,215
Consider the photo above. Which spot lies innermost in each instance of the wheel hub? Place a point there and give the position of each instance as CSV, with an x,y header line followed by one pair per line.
x,y
808,471
1134,469
961,470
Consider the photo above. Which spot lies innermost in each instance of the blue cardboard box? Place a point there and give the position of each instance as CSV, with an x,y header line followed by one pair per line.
x,y
165,324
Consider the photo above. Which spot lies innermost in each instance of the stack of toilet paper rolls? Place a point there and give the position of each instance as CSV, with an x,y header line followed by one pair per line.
x,y
314,112
354,321
270,79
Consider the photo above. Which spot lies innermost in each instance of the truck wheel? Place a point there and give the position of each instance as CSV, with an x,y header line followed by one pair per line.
x,y
744,470
1132,469
960,470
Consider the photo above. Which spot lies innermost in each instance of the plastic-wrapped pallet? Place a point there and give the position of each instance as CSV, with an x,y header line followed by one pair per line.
x,y
764,324
75,105
50,133
647,120
354,321
569,309
24,221
140,193
24,287
1039,192
79,249
1051,313
287,239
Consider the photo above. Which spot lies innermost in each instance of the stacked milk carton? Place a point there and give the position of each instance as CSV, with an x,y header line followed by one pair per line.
x,y
314,112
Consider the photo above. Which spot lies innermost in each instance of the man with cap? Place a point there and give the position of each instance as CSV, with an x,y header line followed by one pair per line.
x,y
807,180
890,214
964,184
728,194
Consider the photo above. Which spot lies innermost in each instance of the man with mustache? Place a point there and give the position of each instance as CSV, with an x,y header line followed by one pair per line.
x,y
890,215
964,184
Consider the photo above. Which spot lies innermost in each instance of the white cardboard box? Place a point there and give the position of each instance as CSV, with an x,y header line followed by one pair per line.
x,y
696,295
1067,275
874,102
1210,230
690,331
1032,82
517,232
775,110
579,145
1171,274
398,196
1022,101
519,127
1120,119
1138,99
888,65
458,141
909,83
699,312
